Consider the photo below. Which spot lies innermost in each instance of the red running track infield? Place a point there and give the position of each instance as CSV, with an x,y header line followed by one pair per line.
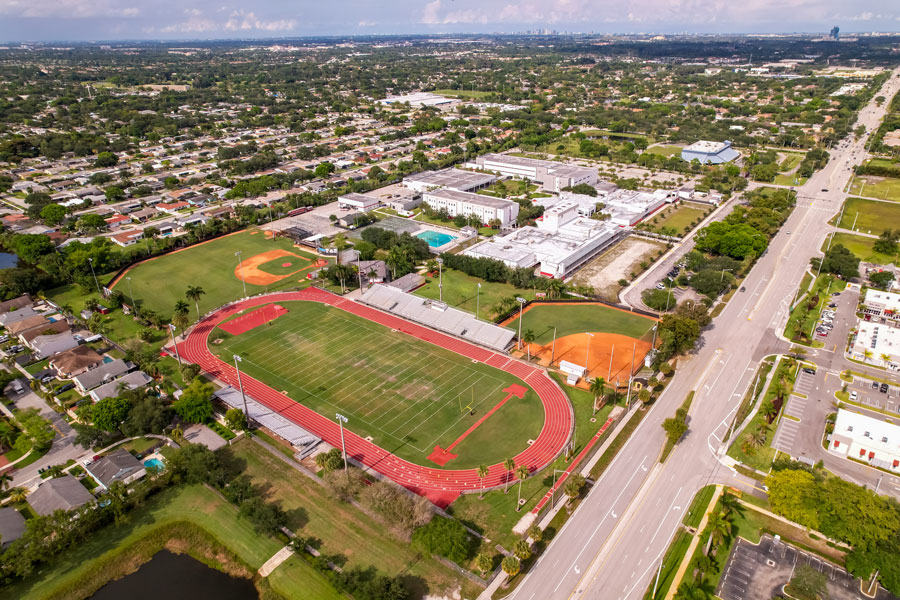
x,y
441,486
253,319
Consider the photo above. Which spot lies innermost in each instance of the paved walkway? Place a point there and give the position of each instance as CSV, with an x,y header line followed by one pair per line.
x,y
276,560
686,561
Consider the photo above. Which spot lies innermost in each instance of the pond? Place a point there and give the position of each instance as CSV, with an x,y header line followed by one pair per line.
x,y
8,261
169,575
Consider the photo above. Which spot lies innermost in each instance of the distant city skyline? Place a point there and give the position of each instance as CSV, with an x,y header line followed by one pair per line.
x,y
99,20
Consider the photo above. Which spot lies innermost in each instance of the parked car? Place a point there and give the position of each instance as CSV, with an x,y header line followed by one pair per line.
x,y
47,378
4,338
875,385
660,286
809,371
853,395
65,387
884,388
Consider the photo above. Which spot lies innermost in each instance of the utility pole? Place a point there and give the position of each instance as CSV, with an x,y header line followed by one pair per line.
x,y
131,293
96,283
238,359
175,343
553,347
341,419
587,355
440,262
630,377
611,354
521,302
477,300
241,268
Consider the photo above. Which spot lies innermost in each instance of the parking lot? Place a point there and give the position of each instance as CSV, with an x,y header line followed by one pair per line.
x,y
758,572
787,435
869,393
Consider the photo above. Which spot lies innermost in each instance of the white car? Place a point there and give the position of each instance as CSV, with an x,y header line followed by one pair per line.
x,y
853,395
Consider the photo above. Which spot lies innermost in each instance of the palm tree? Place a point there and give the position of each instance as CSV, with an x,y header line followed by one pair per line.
x,y
18,495
521,475
885,358
510,566
867,355
193,293
598,388
719,528
555,288
756,439
5,480
181,321
509,464
482,472
528,338
340,244
693,590
768,409
181,307
729,504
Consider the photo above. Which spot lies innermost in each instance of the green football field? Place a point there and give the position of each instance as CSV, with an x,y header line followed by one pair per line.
x,y
160,282
580,318
408,395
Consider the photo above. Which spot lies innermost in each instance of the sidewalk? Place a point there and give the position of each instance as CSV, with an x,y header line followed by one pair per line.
x,y
689,554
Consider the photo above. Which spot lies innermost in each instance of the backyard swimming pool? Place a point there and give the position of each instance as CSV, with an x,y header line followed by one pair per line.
x,y
435,239
154,463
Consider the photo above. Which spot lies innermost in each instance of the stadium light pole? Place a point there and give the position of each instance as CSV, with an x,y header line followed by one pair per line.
x,y
341,419
440,262
133,303
175,343
241,267
521,302
91,262
477,300
587,355
238,359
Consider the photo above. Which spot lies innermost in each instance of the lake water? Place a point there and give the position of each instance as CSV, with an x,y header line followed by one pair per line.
x,y
171,576
7,260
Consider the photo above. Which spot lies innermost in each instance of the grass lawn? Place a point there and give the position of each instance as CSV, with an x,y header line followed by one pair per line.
x,y
485,231
677,219
792,179
862,247
160,282
801,322
665,150
461,291
472,94
407,394
886,188
791,160
671,561
869,216
195,504
141,445
509,187
495,514
580,318
701,500
295,579
341,527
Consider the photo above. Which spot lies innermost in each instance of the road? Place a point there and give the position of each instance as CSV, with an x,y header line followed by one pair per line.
x,y
611,547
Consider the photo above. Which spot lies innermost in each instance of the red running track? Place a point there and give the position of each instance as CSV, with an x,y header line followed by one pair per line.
x,y
441,486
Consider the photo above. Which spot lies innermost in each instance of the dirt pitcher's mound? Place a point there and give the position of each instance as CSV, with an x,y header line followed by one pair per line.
x,y
603,346
256,276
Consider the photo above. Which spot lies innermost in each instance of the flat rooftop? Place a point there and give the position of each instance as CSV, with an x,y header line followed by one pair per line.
x,y
707,147
452,178
471,198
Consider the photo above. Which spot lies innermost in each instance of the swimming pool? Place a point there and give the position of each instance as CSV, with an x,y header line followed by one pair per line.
x,y
154,463
435,239
107,359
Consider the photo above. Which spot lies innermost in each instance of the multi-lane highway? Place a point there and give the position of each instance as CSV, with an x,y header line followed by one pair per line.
x,y
611,547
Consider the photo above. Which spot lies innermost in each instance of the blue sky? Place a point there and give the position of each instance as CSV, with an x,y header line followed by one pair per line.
x,y
22,20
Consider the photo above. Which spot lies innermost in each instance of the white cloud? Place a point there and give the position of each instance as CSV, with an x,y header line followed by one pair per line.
x,y
66,9
430,14
367,24
248,21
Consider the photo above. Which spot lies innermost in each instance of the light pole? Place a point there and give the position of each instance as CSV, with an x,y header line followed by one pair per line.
x,y
241,268
91,262
477,300
723,274
133,303
341,419
587,355
238,359
440,262
521,302
175,344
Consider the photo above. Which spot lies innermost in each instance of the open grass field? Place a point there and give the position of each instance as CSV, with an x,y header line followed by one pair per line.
x,y
677,218
160,282
665,150
886,188
791,161
468,94
342,528
409,396
870,216
574,318
195,504
792,179
461,291
863,247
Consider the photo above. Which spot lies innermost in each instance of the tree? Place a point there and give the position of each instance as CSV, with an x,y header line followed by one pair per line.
x,y
181,320
887,242
53,214
675,427
5,480
235,419
718,528
91,222
17,495
105,160
484,563
882,279
195,404
528,337
332,460
793,494
521,474
444,537
482,472
510,566
840,261
598,389
149,414
195,463
522,550
194,293
109,413
508,464
114,193
31,248
574,485
808,584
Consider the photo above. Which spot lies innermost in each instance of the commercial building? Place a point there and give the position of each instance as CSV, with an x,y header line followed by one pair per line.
x,y
877,344
453,179
358,202
879,304
561,242
867,439
552,176
712,153
418,99
484,208
629,207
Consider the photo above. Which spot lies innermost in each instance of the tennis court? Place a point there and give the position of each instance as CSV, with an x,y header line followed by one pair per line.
x,y
405,394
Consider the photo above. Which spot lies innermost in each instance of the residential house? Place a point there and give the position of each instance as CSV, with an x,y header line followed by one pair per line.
x,y
16,316
48,345
118,465
117,221
57,326
12,526
143,215
16,303
36,320
127,238
59,493
103,373
130,381
373,271
172,208
75,361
